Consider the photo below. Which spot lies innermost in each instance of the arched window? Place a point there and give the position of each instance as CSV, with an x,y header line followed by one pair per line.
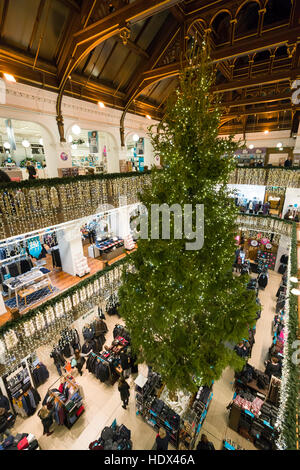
x,y
221,28
247,20
277,11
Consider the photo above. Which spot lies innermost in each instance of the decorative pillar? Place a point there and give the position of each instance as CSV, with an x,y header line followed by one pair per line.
x,y
61,127
57,155
232,30
261,13
251,62
70,247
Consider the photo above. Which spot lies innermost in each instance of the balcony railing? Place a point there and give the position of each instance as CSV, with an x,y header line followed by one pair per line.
x,y
32,205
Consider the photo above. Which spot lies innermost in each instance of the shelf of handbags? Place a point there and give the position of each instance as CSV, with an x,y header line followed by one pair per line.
x,y
182,428
113,437
193,418
253,413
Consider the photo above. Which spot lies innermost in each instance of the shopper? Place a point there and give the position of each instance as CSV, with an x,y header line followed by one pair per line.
x,y
162,440
4,178
273,368
4,421
124,390
288,162
125,364
205,444
31,170
45,416
79,357
58,359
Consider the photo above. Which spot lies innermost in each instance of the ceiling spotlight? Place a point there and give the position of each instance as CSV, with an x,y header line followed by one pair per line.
x,y
6,145
295,292
148,117
102,105
25,143
9,77
293,279
74,146
41,142
266,132
76,129
279,145
70,139
135,138
251,146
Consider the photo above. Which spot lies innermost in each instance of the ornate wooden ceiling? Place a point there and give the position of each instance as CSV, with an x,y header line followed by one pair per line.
x,y
127,53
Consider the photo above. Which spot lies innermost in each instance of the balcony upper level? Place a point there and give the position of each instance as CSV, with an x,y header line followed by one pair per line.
x,y
32,205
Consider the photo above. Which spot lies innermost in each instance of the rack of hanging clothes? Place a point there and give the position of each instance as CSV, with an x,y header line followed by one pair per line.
x,y
56,259
94,335
25,404
69,341
50,239
103,366
39,371
14,267
65,402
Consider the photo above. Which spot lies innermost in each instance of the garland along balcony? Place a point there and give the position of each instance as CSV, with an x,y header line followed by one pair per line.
x,y
32,205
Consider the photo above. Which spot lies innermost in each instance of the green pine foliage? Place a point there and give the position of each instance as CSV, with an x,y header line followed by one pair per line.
x,y
181,306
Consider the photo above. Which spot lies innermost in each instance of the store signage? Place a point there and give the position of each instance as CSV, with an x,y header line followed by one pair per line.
x,y
93,141
64,156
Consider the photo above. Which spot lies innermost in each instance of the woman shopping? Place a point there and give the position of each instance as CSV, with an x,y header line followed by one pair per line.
x,y
78,360
45,416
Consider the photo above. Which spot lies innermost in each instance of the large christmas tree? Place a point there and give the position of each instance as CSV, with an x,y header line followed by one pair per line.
x,y
182,306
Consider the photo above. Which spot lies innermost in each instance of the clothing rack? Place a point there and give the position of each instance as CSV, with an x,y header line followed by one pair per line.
x,y
69,416
102,359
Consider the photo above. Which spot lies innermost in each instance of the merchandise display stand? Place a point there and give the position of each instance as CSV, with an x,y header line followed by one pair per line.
x,y
113,437
182,429
73,408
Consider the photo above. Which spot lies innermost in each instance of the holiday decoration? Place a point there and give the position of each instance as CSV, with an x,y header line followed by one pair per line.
x,y
286,422
182,306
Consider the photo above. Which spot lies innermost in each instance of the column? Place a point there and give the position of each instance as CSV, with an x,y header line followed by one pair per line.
x,y
261,20
70,247
57,155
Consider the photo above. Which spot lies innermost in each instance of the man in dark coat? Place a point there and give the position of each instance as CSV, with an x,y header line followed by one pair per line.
x,y
204,444
124,388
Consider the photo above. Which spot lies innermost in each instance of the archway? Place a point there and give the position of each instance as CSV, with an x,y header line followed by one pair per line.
x,y
247,20
93,148
221,28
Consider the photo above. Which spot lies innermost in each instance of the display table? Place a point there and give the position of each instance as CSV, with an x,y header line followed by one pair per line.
x,y
112,254
17,284
41,285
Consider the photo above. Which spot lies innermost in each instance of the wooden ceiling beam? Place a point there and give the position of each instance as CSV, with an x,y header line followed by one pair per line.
x,y
83,40
256,100
133,47
256,111
71,4
36,23
4,15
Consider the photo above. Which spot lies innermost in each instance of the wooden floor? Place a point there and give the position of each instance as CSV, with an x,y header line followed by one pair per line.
x,y
64,281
